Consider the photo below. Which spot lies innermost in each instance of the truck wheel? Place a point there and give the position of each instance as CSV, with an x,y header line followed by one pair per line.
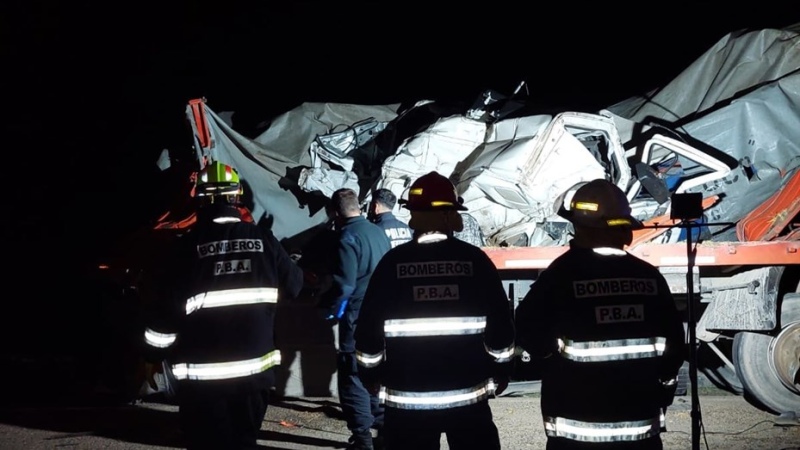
x,y
769,365
720,374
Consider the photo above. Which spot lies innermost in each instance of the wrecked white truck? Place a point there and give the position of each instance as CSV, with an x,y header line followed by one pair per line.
x,y
728,128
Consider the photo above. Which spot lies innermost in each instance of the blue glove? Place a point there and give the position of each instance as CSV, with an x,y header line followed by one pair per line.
x,y
338,313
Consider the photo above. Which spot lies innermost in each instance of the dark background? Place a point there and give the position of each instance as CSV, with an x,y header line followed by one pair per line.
x,y
95,90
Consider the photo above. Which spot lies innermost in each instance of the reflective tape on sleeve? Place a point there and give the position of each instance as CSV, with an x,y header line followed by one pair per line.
x,y
502,355
369,360
159,340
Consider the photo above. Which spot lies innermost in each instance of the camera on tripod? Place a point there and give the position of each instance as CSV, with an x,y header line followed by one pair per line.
x,y
686,206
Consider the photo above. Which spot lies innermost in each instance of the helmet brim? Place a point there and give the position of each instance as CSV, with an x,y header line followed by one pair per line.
x,y
601,222
452,207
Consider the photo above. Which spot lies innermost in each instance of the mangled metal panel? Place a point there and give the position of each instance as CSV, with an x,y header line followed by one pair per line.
x,y
438,148
528,174
266,162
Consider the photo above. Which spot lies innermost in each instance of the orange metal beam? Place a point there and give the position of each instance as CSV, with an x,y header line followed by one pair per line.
x,y
201,121
767,253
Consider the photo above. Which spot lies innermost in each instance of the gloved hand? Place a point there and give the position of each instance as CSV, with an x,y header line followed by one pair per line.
x,y
336,312
501,384
668,389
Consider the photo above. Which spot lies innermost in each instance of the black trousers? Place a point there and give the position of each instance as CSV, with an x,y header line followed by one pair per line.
x,y
222,415
466,427
361,409
653,443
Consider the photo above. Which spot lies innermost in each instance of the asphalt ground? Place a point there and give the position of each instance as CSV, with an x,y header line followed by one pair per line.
x,y
727,422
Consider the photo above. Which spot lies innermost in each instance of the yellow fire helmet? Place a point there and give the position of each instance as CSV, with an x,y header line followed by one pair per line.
x,y
218,179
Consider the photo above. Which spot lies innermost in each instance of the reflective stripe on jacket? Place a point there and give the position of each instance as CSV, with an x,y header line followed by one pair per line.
x,y
217,322
435,326
437,399
612,350
602,431
604,329
440,326
231,297
226,370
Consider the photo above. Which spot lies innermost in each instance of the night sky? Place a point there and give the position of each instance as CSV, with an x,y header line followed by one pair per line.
x,y
95,90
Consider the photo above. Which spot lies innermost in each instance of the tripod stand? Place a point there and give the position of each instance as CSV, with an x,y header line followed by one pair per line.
x,y
688,208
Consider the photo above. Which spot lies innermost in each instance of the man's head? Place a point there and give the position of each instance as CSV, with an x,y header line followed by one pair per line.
x,y
434,205
601,215
383,201
344,204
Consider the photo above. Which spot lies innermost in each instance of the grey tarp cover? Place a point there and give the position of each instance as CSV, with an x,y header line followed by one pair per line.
x,y
740,98
264,160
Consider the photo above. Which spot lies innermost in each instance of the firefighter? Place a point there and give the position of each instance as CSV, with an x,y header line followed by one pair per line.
x,y
360,245
380,213
216,328
436,332
605,330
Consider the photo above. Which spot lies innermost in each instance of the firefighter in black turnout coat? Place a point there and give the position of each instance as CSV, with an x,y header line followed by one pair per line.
x,y
435,330
605,329
216,330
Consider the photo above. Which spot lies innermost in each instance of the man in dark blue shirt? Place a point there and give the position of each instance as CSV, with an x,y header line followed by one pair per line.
x,y
361,245
380,213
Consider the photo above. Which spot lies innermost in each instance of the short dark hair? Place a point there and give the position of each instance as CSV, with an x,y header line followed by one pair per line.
x,y
385,197
344,202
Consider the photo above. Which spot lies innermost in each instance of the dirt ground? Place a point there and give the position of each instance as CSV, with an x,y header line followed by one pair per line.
x,y
728,422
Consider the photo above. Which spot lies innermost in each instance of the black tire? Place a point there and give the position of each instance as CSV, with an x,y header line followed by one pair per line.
x,y
716,371
752,356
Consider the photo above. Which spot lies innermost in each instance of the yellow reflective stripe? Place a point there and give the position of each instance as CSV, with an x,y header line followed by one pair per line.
x,y
578,430
231,297
612,350
368,360
436,399
225,370
439,326
502,355
585,206
617,222
159,340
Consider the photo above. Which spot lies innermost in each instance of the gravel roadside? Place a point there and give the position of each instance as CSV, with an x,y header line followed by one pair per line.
x,y
728,423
